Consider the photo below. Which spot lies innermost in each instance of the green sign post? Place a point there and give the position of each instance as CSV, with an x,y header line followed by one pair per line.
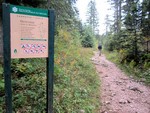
x,y
25,32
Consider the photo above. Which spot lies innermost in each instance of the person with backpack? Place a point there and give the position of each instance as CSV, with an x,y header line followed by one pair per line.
x,y
100,48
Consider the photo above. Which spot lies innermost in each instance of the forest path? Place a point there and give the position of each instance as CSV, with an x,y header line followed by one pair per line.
x,y
120,93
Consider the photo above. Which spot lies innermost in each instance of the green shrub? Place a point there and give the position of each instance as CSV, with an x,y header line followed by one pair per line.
x,y
76,84
146,65
87,41
138,71
132,64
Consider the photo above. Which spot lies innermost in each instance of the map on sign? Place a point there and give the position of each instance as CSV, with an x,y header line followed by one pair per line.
x,y
29,32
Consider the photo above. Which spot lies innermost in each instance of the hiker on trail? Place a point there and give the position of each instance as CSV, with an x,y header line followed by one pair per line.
x,y
99,48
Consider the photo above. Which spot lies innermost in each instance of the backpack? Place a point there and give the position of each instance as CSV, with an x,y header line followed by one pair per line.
x,y
99,47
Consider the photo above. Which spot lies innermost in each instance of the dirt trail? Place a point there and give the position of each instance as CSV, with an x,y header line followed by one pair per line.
x,y
119,93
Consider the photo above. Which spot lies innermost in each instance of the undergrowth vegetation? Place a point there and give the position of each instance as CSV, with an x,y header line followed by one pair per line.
x,y
76,84
127,36
140,72
76,80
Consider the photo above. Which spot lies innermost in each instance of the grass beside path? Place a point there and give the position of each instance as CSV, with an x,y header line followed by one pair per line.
x,y
76,83
79,84
141,75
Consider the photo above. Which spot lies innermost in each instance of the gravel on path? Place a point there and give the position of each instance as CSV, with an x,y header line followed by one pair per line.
x,y
120,93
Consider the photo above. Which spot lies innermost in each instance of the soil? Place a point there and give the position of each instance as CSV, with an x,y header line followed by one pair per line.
x,y
119,92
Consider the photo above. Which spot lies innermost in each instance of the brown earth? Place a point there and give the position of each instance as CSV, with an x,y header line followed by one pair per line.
x,y
120,93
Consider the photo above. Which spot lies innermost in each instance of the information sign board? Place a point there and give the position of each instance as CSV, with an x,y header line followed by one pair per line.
x,y
29,32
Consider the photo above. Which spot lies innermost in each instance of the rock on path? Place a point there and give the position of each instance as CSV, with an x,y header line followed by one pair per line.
x,y
119,93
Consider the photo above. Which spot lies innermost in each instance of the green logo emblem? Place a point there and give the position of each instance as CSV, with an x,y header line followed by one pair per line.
x,y
15,51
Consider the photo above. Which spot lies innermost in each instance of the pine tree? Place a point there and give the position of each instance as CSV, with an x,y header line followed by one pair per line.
x,y
107,23
132,23
88,38
145,24
92,16
146,18
116,6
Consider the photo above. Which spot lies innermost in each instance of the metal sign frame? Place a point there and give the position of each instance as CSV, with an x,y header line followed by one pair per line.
x,y
7,59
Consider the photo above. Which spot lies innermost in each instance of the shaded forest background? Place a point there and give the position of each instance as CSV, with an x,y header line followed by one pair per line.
x,y
128,35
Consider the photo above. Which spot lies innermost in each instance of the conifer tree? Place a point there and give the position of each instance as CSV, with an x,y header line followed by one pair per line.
x,y
116,6
146,18
92,16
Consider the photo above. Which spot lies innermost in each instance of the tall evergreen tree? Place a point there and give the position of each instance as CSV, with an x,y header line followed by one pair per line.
x,y
107,23
145,24
146,18
92,16
116,6
132,23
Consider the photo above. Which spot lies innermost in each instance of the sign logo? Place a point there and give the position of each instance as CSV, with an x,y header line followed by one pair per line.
x,y
15,9
15,51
